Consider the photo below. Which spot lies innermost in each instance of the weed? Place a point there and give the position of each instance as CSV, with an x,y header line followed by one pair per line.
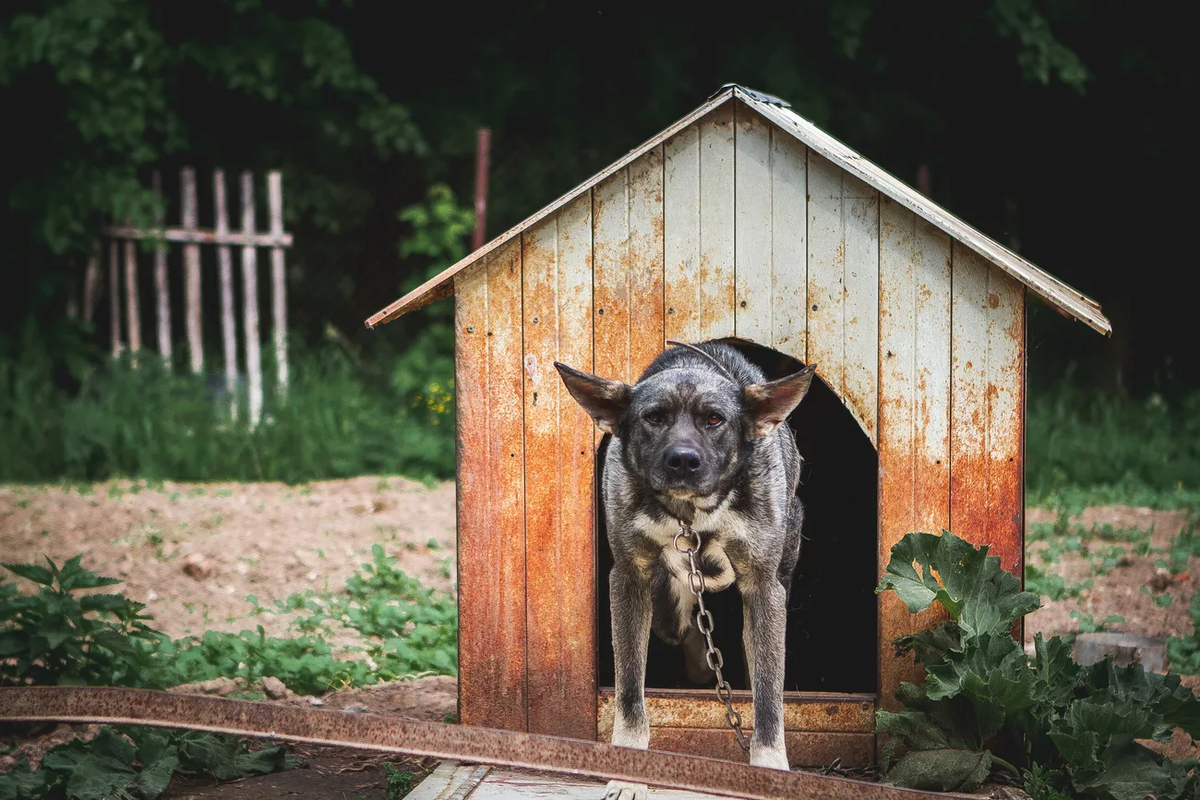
x,y
1051,585
1088,623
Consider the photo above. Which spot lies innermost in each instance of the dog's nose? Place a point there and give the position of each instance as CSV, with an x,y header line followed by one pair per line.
x,y
683,460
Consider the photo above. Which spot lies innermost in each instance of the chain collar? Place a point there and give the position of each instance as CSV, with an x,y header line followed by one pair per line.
x,y
687,542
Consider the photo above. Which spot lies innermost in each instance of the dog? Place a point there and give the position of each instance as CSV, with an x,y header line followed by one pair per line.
x,y
700,440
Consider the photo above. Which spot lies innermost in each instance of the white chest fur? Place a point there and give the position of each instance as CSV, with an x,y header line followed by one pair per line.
x,y
718,527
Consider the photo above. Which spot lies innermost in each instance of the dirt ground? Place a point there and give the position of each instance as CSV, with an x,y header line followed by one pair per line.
x,y
193,552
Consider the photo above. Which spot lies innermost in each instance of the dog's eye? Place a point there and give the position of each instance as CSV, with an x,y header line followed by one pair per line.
x,y
713,420
654,418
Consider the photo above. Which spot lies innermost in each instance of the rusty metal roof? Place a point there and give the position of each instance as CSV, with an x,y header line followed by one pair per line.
x,y
1061,296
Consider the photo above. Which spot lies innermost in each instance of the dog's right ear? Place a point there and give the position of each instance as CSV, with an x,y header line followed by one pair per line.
x,y
604,400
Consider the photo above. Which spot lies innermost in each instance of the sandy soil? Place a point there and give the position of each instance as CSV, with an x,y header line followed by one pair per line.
x,y
193,552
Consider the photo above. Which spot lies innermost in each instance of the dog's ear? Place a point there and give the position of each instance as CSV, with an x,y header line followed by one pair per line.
x,y
603,399
769,404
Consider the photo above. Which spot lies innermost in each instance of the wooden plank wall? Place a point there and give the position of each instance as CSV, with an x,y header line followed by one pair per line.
x,y
730,228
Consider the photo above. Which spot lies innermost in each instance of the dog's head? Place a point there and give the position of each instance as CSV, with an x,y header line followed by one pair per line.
x,y
686,425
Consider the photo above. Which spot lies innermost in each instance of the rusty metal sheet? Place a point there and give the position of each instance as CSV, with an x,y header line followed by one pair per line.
x,y
914,411
440,740
804,748
986,469
559,536
801,711
491,582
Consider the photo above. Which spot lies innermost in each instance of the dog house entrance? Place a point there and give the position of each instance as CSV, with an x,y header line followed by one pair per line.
x,y
831,638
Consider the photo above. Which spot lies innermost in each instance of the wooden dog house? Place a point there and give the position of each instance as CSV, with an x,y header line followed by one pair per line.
x,y
741,221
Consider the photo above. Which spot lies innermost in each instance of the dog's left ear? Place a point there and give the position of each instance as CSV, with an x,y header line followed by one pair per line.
x,y
769,404
604,400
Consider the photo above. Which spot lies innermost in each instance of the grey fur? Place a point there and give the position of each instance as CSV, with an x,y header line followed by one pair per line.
x,y
700,438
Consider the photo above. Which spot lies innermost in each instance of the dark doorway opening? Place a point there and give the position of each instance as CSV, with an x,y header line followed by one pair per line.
x,y
832,630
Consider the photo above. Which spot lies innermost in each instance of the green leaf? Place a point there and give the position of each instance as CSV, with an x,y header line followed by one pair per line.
x,y
971,585
156,775
941,770
31,572
1129,774
103,602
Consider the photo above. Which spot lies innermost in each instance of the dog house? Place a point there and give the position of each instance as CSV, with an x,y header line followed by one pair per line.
x,y
742,222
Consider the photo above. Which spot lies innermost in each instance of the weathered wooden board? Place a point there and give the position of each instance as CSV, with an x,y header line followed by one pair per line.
x,y
644,261
560,538
278,281
681,235
753,265
843,287
114,299
455,781
225,279
987,400
843,713
914,408
132,301
162,295
717,284
250,330
191,271
491,518
789,246
611,279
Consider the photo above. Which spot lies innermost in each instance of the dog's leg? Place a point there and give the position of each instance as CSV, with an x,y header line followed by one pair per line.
x,y
765,610
629,596
747,648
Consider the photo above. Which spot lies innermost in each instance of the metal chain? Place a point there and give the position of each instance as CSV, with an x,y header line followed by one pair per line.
x,y
704,623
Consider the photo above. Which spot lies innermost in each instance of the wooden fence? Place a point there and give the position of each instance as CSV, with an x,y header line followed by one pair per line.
x,y
191,237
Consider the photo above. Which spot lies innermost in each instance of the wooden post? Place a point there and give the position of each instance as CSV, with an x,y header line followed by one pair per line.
x,y
114,298
482,150
91,284
191,268
131,298
162,298
225,273
250,302
278,281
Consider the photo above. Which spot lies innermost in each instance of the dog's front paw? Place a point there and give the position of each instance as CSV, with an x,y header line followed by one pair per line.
x,y
772,757
620,790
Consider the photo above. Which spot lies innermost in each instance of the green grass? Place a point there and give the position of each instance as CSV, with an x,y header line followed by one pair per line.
x,y
1090,448
343,417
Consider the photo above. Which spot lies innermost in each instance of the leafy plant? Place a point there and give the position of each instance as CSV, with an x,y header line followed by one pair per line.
x,y
137,764
1073,730
61,636
1183,652
1052,585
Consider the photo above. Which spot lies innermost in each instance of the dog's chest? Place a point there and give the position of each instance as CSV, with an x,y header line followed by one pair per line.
x,y
720,532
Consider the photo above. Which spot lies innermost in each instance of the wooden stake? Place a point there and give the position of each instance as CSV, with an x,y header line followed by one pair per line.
x,y
278,281
191,268
250,300
162,296
225,273
91,284
114,299
132,313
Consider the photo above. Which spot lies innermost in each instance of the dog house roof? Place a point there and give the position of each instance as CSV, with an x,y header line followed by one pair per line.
x,y
1061,296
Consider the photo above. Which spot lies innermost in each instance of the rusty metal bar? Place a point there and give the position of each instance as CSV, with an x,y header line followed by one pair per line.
x,y
433,739
482,150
